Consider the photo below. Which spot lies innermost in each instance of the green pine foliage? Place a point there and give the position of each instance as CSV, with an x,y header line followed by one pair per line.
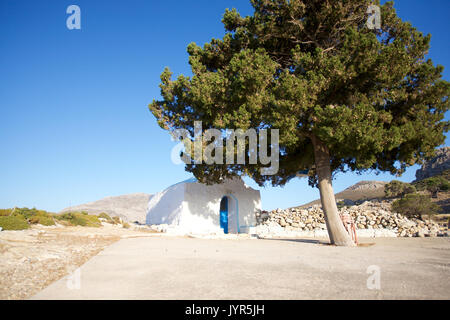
x,y
312,69
439,183
415,205
397,188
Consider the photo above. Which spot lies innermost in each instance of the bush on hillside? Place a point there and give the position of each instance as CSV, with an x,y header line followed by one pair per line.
x,y
13,223
5,212
79,219
340,204
41,219
105,216
93,221
397,188
116,220
28,213
433,185
415,205
34,216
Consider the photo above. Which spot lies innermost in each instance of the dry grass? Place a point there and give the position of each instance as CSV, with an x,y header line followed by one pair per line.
x,y
33,259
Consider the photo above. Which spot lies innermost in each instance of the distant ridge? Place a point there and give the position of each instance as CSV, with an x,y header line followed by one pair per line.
x,y
130,207
363,190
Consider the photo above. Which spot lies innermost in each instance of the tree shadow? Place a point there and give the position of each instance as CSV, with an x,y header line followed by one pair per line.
x,y
318,242
310,241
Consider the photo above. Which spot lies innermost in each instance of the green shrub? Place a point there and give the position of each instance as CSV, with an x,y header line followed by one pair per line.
x,y
5,212
13,223
397,188
437,183
105,216
126,225
93,221
28,213
79,219
34,216
25,212
41,219
67,216
116,220
415,205
340,204
433,185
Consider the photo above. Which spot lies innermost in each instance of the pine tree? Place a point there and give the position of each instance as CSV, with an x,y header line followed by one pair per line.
x,y
344,96
397,188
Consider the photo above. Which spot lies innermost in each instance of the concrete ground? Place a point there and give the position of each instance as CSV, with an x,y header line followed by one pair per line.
x,y
187,268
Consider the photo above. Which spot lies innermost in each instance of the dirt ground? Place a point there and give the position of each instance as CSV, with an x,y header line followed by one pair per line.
x,y
258,269
32,259
136,263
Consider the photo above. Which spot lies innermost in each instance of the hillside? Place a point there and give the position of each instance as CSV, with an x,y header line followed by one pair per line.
x,y
435,166
363,190
131,207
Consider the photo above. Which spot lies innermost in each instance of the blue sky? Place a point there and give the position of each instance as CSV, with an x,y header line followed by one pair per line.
x,y
75,126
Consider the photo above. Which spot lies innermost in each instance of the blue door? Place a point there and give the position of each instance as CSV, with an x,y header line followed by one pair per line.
x,y
224,214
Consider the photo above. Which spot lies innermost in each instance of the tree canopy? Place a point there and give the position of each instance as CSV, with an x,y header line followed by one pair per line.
x,y
314,70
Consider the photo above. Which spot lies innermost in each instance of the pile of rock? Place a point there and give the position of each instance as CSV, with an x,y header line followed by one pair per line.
x,y
372,215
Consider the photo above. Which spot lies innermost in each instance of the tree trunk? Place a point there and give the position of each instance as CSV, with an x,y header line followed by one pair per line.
x,y
336,230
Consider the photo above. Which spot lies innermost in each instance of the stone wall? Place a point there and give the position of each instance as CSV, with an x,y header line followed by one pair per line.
x,y
372,218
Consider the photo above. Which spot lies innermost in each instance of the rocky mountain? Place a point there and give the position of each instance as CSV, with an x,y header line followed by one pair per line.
x,y
363,190
130,207
436,165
